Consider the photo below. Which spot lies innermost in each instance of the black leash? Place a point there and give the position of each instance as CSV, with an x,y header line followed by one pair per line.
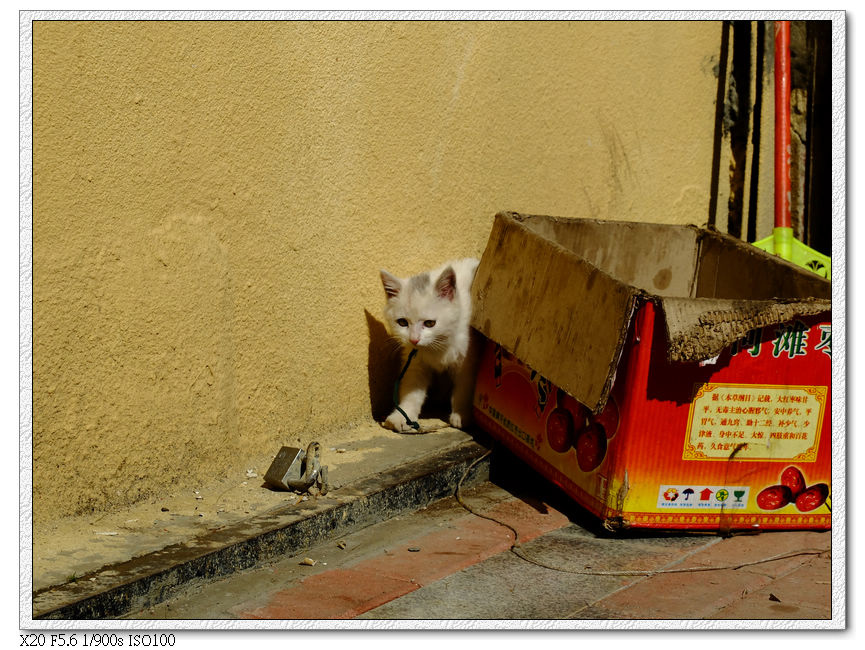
x,y
414,425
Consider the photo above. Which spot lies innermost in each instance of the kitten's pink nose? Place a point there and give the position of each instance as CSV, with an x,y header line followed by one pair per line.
x,y
414,341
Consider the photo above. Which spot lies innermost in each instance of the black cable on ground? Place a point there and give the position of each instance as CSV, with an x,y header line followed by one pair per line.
x,y
517,550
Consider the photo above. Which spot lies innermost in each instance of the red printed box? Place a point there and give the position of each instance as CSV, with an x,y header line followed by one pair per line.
x,y
629,364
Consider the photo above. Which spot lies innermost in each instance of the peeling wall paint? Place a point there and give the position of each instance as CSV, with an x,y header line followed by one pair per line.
x,y
213,200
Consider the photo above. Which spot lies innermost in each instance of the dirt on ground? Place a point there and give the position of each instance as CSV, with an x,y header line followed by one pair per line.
x,y
69,548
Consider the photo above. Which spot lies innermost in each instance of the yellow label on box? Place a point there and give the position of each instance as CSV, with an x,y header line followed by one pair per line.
x,y
755,422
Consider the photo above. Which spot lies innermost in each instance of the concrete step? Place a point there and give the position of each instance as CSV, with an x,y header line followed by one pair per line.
x,y
150,578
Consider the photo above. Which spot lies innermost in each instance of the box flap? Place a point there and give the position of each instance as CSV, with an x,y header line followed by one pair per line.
x,y
700,328
558,313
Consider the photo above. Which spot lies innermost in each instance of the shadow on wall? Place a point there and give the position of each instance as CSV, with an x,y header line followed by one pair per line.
x,y
383,364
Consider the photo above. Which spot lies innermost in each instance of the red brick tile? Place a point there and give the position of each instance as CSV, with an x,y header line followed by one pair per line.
x,y
713,594
804,593
678,596
527,520
743,549
347,592
467,541
808,586
336,594
441,553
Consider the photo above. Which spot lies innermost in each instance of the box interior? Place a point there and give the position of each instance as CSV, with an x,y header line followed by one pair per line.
x,y
680,261
659,260
731,269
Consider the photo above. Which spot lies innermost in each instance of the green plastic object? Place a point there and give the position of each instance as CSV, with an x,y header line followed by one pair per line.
x,y
782,243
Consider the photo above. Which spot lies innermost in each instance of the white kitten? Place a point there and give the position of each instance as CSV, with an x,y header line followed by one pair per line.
x,y
430,312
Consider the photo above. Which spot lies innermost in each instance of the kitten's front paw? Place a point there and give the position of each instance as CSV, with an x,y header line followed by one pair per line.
x,y
459,421
397,422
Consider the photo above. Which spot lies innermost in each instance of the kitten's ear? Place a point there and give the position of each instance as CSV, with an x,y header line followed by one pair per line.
x,y
392,285
446,285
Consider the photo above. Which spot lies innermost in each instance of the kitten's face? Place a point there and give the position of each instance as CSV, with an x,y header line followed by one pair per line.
x,y
421,311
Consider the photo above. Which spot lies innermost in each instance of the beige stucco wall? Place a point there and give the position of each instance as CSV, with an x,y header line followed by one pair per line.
x,y
213,200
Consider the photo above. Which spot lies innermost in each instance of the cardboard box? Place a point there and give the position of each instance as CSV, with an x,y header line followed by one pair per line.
x,y
663,376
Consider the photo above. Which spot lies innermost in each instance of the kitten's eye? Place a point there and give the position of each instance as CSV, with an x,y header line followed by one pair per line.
x,y
402,322
429,323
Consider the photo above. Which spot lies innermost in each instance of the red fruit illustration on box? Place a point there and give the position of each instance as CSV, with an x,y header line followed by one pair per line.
x,y
813,497
774,497
793,479
793,490
560,429
591,447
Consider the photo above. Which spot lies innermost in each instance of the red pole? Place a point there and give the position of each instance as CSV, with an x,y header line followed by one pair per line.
x,y
782,124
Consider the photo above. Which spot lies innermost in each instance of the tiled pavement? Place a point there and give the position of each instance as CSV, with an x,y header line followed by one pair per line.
x,y
443,563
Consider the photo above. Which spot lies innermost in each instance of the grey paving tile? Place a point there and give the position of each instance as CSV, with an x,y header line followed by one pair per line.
x,y
521,591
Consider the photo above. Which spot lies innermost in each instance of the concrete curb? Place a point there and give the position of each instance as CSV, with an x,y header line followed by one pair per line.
x,y
152,578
